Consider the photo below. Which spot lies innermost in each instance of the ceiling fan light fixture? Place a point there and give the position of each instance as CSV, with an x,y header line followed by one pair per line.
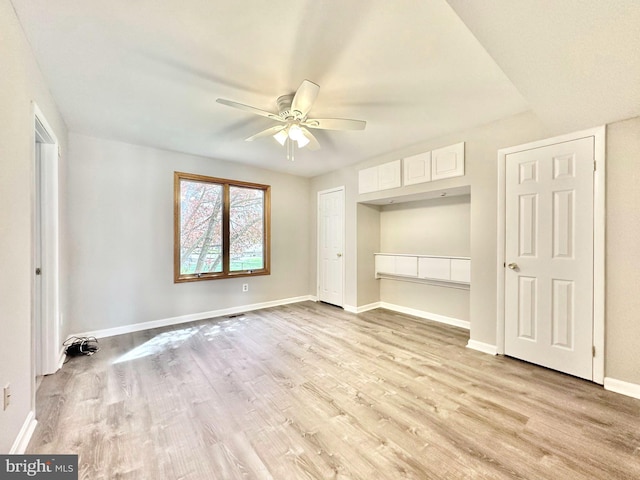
x,y
295,132
281,136
302,141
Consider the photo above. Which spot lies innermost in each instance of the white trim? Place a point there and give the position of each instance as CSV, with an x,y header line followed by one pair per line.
x,y
482,347
426,315
24,435
599,253
424,281
420,255
362,308
500,236
344,239
350,309
622,387
50,261
599,228
43,121
192,317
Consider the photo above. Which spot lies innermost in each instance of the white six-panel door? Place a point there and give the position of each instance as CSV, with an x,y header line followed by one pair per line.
x,y
331,246
549,232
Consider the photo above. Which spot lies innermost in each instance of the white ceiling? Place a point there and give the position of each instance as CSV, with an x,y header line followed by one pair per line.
x,y
149,72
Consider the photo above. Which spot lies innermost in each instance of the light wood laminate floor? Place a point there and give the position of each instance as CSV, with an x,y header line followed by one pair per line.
x,y
308,391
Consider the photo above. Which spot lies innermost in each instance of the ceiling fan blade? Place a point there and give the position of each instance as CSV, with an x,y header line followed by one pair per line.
x,y
304,98
313,141
335,124
269,132
248,108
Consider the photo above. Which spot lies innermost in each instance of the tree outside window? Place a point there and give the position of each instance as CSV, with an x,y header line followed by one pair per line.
x,y
221,228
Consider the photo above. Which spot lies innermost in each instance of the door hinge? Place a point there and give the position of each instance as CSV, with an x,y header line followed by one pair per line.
x,y
593,350
595,165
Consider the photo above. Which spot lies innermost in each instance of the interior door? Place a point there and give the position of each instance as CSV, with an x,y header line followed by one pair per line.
x,y
47,342
331,246
37,295
549,196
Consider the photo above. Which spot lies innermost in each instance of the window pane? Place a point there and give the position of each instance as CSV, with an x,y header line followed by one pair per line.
x,y
200,227
246,229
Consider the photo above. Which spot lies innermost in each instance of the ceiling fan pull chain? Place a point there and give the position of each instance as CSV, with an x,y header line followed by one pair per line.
x,y
290,147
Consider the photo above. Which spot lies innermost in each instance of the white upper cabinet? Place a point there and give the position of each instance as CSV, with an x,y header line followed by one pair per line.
x,y
447,162
389,175
417,168
424,167
381,177
368,180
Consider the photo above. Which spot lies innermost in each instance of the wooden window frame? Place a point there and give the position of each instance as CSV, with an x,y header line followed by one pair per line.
x,y
226,241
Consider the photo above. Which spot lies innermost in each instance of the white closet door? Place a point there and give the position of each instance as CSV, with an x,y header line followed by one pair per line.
x,y
549,256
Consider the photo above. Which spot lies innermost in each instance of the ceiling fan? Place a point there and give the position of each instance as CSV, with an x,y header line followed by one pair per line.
x,y
294,122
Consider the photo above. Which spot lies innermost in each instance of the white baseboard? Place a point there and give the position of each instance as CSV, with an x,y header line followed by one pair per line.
x,y
426,315
165,322
620,386
362,308
24,436
482,347
61,358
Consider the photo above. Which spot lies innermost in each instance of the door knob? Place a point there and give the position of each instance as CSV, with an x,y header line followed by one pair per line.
x,y
339,255
513,266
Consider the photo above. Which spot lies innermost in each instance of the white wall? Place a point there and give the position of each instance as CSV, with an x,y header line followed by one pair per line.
x,y
20,83
623,251
481,150
622,328
120,222
439,226
368,243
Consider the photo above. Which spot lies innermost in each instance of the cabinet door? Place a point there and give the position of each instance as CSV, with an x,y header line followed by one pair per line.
x,y
389,175
417,169
368,180
386,264
447,162
407,266
436,268
461,270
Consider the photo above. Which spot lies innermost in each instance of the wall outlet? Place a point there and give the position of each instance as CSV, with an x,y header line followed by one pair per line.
x,y
7,396
245,287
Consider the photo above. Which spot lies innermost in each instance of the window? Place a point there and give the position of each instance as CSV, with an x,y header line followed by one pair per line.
x,y
222,228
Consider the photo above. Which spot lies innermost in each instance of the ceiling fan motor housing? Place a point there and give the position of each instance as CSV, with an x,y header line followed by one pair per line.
x,y
284,106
